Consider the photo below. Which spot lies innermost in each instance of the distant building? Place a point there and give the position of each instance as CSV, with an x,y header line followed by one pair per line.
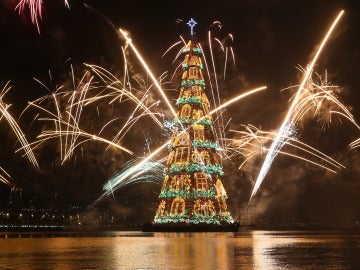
x,y
15,198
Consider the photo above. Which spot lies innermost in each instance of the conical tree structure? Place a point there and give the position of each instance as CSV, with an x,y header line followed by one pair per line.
x,y
192,190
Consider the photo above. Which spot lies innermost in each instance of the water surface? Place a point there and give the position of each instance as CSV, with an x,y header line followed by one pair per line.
x,y
138,250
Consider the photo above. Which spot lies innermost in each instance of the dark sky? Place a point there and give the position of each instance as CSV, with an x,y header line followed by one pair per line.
x,y
270,39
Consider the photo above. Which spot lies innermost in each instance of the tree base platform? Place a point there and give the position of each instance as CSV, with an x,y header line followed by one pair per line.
x,y
187,227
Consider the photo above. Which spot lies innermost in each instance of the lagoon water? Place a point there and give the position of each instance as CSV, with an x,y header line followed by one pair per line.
x,y
138,250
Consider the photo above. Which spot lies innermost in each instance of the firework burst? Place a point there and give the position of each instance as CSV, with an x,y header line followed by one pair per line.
x,y
289,122
252,143
69,105
320,99
4,113
35,9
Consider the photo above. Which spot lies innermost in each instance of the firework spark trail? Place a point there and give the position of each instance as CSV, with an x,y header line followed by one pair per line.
x,y
251,155
321,98
227,49
180,52
76,99
67,124
139,166
212,92
135,169
35,8
78,133
287,125
216,104
118,90
73,131
251,145
355,144
220,132
131,121
146,67
214,69
5,177
15,127
148,172
113,84
173,46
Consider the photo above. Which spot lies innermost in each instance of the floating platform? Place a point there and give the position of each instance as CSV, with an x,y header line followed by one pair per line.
x,y
187,227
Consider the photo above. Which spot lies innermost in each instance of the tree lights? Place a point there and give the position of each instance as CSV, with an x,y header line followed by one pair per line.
x,y
192,192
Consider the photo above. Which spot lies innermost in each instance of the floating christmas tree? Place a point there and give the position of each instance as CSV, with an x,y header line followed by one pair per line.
x,y
192,193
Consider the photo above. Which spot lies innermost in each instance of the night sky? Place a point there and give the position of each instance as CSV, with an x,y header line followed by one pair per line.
x,y
270,39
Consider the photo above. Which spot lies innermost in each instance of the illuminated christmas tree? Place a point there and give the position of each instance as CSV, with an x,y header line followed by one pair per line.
x,y
192,193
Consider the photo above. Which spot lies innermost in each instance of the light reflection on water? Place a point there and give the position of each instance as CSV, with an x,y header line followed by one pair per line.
x,y
138,250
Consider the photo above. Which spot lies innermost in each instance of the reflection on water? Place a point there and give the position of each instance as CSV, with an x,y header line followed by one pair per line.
x,y
137,250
